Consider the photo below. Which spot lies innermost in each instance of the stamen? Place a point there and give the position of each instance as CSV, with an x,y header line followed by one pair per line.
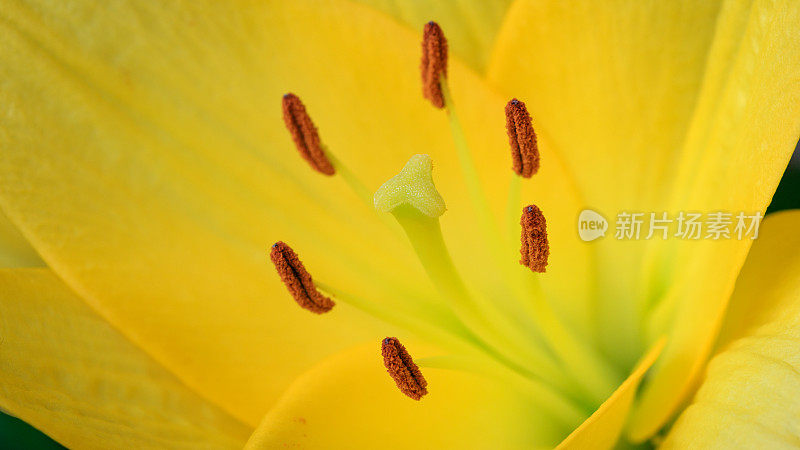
x,y
305,135
434,63
522,139
535,248
297,279
401,367
577,355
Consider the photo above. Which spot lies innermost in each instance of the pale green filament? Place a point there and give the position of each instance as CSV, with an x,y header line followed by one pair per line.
x,y
350,178
355,185
584,365
502,337
439,330
565,410
479,202
578,357
513,208
471,178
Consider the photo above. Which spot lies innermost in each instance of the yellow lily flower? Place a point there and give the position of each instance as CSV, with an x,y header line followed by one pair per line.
x,y
145,170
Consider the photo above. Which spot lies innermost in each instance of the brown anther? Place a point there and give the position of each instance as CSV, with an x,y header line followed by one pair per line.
x,y
522,139
535,248
305,135
434,63
401,367
297,279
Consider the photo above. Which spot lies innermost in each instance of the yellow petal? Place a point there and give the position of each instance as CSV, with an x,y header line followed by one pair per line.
x,y
64,370
764,288
470,27
750,397
349,401
15,251
145,158
741,137
602,430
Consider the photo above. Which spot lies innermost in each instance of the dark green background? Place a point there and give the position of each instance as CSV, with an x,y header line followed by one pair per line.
x,y
16,434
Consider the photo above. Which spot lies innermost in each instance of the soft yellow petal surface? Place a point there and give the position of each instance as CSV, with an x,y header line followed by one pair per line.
x,y
15,251
744,130
603,429
764,289
145,158
750,397
470,26
349,401
64,370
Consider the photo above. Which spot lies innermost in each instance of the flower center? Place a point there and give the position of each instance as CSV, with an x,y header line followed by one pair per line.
x,y
515,336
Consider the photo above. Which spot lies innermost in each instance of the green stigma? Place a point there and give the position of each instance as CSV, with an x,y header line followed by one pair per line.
x,y
414,187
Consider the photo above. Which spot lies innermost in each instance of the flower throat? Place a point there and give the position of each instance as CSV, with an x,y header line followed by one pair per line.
x,y
524,343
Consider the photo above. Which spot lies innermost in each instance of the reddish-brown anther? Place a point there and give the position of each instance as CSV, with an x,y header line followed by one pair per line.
x,y
402,368
522,139
305,135
434,63
535,249
297,279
